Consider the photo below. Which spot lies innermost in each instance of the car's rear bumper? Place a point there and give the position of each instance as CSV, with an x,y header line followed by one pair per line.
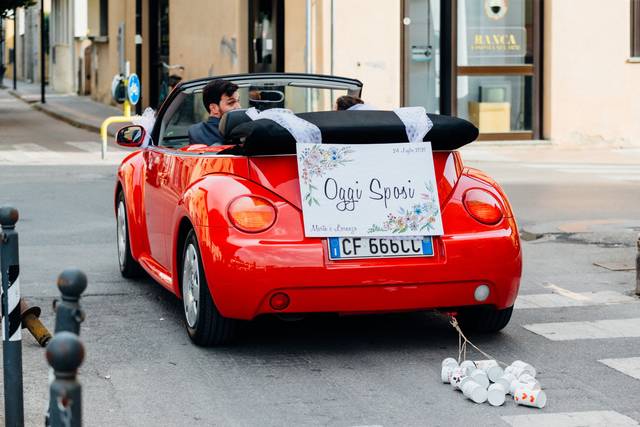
x,y
244,272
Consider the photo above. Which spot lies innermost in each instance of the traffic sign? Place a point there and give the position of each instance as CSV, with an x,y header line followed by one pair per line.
x,y
133,89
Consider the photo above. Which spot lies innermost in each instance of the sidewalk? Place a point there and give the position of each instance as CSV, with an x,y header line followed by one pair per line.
x,y
83,112
79,111
553,152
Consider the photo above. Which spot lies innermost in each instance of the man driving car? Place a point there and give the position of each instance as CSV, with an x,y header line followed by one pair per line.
x,y
218,96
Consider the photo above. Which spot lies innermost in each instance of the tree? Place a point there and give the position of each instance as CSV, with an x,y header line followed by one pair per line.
x,y
6,6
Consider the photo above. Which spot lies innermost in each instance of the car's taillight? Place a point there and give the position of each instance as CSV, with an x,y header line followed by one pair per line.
x,y
251,214
483,206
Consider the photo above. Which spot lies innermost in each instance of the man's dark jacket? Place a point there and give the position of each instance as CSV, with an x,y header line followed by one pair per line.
x,y
206,133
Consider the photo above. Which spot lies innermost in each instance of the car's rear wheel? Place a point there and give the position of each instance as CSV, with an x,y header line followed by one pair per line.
x,y
129,267
205,325
484,319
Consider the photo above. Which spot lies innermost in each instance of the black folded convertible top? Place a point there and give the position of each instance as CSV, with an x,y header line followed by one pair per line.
x,y
263,137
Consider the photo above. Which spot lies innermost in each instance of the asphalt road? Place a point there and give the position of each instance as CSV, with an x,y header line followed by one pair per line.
x,y
142,370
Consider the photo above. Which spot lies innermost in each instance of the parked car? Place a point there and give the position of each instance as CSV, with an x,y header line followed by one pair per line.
x,y
221,227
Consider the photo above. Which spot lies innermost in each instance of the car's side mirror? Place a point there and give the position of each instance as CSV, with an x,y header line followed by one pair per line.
x,y
131,136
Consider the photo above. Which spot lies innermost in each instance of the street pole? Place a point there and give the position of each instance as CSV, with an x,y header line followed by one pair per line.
x,y
2,66
11,331
638,266
42,53
15,48
139,49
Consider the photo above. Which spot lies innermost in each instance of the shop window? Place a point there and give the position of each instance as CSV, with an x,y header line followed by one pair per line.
x,y
497,32
496,104
635,28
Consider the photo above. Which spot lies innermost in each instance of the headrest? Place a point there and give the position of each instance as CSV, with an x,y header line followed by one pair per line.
x,y
232,119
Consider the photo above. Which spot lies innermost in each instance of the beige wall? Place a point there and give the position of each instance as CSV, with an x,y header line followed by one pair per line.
x,y
9,43
591,92
196,38
106,52
371,51
366,44
295,23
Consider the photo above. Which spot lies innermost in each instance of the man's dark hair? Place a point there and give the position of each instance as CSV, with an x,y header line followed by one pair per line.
x,y
213,91
347,101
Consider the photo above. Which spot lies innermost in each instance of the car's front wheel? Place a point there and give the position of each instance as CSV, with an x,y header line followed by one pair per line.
x,y
129,267
205,325
485,319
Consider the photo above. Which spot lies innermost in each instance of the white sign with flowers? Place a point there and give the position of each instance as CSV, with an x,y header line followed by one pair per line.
x,y
368,190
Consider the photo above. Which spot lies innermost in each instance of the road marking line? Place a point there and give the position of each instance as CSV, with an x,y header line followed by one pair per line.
x,y
571,419
28,146
32,153
600,329
629,366
14,158
566,292
90,146
555,300
583,167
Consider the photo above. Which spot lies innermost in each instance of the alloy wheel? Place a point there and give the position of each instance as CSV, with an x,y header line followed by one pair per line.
x,y
191,285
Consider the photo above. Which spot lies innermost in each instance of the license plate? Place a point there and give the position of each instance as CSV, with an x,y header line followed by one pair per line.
x,y
364,247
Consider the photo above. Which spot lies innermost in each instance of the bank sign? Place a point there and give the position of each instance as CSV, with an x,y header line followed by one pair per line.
x,y
486,42
368,190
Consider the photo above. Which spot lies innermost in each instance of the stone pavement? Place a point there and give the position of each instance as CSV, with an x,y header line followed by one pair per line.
x,y
79,111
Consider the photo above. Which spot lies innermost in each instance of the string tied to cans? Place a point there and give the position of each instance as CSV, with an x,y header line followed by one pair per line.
x,y
463,341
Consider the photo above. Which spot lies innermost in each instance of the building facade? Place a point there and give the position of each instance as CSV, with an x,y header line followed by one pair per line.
x,y
519,69
22,33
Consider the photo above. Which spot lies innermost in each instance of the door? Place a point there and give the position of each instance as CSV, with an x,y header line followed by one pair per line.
x,y
421,35
498,63
266,36
87,71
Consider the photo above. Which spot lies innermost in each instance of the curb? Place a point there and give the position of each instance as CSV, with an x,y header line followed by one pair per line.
x,y
68,120
58,116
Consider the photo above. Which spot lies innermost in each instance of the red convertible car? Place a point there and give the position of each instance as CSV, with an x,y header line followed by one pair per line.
x,y
222,226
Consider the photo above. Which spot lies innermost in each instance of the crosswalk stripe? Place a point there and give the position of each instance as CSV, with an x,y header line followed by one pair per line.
x,y
577,167
90,146
52,158
28,146
629,366
571,419
556,300
609,172
600,329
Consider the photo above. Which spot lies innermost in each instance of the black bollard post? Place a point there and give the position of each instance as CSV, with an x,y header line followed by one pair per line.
x,y
65,354
69,315
11,334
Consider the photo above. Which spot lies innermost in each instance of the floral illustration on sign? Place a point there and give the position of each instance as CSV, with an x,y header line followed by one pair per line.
x,y
317,161
419,217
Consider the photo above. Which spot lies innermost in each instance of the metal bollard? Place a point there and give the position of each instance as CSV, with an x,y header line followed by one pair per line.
x,y
69,315
11,334
638,267
65,354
